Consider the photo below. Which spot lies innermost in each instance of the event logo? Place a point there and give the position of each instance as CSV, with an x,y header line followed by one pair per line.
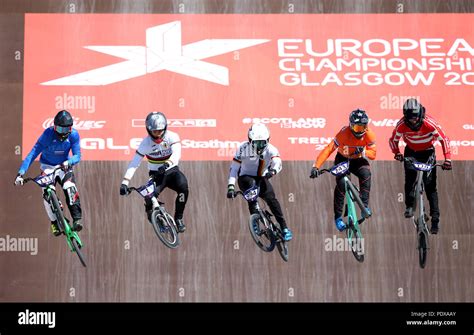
x,y
375,62
163,51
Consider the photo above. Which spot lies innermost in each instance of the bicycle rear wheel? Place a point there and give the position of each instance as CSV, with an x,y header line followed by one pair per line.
x,y
422,249
356,242
165,229
78,251
263,237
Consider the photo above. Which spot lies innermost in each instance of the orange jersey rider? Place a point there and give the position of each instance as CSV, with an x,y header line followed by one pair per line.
x,y
356,143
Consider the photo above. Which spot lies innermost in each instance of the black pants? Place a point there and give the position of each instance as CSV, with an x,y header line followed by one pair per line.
x,y
429,181
175,180
266,193
361,169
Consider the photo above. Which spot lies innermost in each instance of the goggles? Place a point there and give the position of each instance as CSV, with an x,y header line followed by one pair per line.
x,y
259,144
359,128
414,119
62,130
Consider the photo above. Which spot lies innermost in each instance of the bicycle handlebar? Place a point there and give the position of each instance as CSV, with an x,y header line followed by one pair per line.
x,y
412,160
324,171
25,180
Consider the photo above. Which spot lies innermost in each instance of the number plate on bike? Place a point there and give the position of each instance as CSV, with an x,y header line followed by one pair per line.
x,y
45,180
422,166
251,194
340,169
148,189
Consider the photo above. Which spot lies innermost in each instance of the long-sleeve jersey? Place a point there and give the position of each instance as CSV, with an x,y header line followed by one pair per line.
x,y
157,152
54,151
346,144
247,162
422,139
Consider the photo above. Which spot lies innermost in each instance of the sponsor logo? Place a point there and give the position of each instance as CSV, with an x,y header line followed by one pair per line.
x,y
287,122
97,143
37,318
163,51
318,142
310,140
181,123
78,124
160,153
384,122
458,143
210,144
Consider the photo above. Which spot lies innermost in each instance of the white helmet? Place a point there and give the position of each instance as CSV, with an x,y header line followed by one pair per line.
x,y
259,136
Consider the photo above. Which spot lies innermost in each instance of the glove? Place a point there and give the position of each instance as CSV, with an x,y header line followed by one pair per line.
x,y
230,191
19,180
162,169
398,157
447,165
358,150
124,189
314,173
65,165
270,173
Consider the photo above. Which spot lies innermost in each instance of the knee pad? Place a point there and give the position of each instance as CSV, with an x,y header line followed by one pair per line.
x,y
71,192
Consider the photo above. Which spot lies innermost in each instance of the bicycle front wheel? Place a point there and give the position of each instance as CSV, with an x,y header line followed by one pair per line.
x,y
165,229
356,242
282,247
263,237
78,251
59,213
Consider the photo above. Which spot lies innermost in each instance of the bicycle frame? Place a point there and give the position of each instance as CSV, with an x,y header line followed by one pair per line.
x,y
351,191
420,217
252,195
353,231
147,191
268,231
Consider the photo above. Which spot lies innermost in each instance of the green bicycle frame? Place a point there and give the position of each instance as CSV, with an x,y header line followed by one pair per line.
x,y
351,211
70,234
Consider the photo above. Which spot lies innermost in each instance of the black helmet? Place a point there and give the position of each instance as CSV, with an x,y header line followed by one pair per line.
x,y
156,121
358,121
63,124
414,111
